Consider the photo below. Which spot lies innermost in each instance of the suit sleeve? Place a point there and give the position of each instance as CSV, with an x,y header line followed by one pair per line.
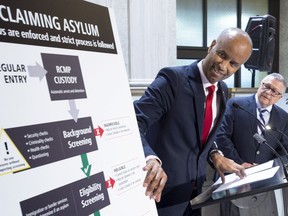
x,y
224,137
283,138
281,123
155,103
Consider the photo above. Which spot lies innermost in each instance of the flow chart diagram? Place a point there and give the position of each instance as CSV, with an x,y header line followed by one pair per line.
x,y
69,142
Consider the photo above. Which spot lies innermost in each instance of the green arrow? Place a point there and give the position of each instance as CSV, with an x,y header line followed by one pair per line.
x,y
97,213
86,166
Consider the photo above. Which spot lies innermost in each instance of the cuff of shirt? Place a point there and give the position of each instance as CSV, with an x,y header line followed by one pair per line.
x,y
215,151
153,157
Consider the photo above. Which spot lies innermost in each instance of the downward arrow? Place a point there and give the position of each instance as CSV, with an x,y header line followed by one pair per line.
x,y
97,213
86,166
73,110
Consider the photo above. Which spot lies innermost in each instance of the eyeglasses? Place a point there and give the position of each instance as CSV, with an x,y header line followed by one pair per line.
x,y
273,92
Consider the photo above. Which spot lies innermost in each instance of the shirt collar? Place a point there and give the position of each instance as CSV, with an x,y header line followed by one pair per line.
x,y
204,79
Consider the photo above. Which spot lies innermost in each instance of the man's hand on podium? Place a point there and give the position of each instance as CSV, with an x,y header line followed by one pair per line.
x,y
247,165
226,165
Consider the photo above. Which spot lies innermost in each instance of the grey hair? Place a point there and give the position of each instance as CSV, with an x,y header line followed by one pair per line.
x,y
277,77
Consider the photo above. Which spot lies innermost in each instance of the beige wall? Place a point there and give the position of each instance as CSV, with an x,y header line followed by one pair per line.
x,y
147,30
283,49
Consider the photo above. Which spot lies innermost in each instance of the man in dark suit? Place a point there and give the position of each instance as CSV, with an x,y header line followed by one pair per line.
x,y
170,117
235,136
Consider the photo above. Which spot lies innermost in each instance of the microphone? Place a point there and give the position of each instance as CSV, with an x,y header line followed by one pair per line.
x,y
262,126
262,140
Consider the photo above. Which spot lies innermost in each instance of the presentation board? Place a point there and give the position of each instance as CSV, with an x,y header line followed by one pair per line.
x,y
69,141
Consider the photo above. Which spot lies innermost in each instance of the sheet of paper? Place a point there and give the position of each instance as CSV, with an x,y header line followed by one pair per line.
x,y
259,167
257,173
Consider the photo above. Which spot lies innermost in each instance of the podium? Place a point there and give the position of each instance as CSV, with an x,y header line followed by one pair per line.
x,y
256,190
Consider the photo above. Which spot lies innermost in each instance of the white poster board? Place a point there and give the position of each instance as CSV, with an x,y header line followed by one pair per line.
x,y
69,141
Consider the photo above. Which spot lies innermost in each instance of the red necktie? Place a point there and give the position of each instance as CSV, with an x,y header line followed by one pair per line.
x,y
208,113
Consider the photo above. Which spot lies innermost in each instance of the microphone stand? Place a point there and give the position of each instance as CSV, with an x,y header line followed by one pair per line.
x,y
268,127
280,144
262,140
259,123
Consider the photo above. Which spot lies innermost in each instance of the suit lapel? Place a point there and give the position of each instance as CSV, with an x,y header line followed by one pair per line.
x,y
251,107
274,117
196,85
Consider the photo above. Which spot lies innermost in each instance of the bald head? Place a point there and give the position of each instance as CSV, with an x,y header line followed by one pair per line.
x,y
233,32
241,39
232,48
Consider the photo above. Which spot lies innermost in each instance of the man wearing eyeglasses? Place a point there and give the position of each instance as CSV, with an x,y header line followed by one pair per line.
x,y
235,136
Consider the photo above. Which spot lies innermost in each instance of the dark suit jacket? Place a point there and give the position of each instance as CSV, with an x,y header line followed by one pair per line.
x,y
235,137
170,117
